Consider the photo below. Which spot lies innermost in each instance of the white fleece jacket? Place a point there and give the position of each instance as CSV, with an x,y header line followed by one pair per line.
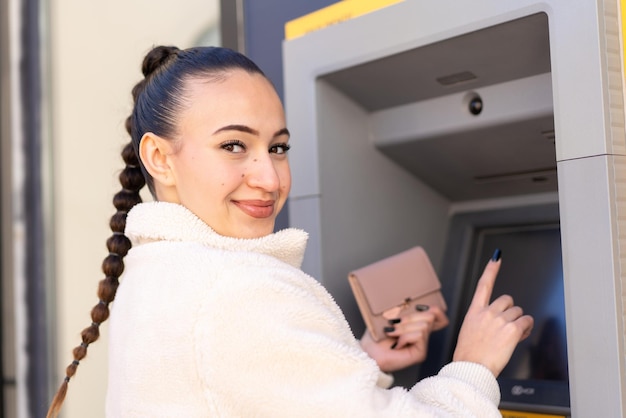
x,y
210,326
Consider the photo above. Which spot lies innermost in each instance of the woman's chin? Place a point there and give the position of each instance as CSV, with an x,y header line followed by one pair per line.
x,y
255,230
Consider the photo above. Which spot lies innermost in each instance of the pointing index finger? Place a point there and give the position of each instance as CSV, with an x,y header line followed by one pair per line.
x,y
484,288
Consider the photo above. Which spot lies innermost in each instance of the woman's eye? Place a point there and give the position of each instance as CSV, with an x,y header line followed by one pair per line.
x,y
234,146
279,148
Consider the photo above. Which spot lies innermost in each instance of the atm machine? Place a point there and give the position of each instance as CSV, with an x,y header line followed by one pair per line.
x,y
465,126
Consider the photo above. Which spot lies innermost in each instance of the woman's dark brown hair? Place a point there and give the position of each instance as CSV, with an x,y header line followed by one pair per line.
x,y
158,100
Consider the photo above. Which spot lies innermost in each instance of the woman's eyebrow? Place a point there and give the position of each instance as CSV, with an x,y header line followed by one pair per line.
x,y
283,131
249,130
239,128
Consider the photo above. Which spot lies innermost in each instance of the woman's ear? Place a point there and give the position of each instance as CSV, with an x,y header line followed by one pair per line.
x,y
154,152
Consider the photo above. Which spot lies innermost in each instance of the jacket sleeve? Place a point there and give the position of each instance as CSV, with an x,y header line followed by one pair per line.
x,y
271,342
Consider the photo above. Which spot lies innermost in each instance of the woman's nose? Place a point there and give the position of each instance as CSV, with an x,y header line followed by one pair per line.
x,y
262,174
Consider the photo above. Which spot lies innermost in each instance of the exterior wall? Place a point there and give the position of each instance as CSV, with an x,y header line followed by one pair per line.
x,y
94,53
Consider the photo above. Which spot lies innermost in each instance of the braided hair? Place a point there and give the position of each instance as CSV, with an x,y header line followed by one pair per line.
x,y
158,100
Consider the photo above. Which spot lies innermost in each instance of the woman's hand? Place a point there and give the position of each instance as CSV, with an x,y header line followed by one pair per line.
x,y
490,332
407,340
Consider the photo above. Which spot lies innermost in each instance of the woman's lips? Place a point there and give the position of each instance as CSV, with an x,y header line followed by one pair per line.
x,y
256,208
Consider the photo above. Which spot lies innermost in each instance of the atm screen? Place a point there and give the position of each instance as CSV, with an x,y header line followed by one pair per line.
x,y
532,273
536,379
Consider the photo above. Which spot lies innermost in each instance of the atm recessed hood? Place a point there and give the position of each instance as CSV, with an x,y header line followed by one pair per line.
x,y
472,116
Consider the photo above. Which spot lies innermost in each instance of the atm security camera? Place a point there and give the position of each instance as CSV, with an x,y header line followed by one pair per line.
x,y
475,105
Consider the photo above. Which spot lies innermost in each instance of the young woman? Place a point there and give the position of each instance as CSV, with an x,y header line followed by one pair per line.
x,y
213,317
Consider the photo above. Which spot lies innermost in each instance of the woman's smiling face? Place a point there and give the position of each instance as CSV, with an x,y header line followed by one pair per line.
x,y
228,163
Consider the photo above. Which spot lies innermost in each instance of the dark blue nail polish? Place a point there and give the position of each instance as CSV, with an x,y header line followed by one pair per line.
x,y
394,321
497,254
389,329
394,345
421,308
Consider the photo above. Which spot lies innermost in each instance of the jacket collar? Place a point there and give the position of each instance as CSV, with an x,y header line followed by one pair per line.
x,y
163,221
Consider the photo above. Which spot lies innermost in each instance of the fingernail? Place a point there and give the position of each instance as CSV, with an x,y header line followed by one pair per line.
x,y
497,254
421,308
394,345
395,321
389,329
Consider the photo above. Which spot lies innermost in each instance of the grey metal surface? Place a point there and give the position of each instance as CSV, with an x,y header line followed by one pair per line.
x,y
499,53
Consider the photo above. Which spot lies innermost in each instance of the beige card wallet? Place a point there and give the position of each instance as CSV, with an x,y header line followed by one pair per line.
x,y
392,287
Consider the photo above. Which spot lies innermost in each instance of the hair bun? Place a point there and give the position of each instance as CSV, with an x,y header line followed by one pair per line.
x,y
158,56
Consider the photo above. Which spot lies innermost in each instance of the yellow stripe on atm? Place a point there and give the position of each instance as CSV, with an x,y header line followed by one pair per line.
x,y
623,30
521,414
330,15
